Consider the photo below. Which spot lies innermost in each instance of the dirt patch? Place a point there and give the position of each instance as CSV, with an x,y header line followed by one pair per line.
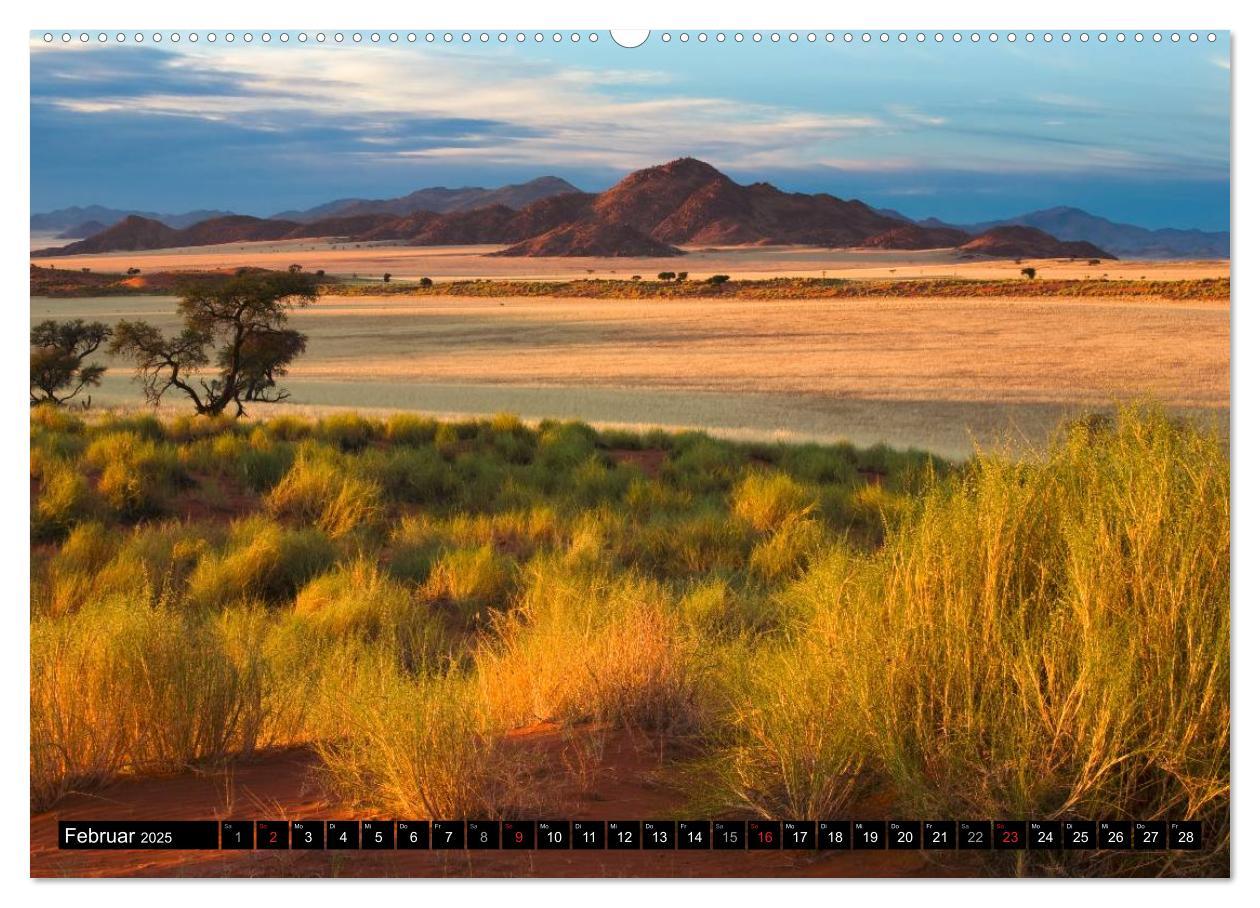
x,y
649,461
213,498
588,773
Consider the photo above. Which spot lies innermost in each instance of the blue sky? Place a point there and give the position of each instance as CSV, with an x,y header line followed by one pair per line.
x,y
1135,132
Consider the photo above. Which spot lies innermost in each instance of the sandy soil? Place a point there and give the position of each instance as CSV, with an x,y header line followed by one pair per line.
x,y
932,373
447,262
627,783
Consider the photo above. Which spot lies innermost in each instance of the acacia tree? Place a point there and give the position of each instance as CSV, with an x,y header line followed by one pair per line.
x,y
238,325
58,350
265,357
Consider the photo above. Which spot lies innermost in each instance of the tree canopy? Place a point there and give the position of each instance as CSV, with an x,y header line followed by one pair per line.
x,y
234,344
58,350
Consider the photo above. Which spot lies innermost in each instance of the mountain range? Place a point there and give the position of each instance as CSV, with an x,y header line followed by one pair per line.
x,y
438,199
78,221
651,212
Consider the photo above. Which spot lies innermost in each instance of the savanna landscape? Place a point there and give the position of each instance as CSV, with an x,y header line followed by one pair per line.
x,y
685,498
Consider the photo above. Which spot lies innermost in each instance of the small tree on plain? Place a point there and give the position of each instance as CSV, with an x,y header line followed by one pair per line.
x,y
666,276
58,351
239,325
718,279
1029,273
385,277
426,282
682,276
133,271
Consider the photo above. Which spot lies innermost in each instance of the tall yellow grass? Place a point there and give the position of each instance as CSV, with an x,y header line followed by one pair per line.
x,y
1030,634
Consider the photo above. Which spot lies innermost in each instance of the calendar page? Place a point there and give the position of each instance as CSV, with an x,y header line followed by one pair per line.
x,y
639,453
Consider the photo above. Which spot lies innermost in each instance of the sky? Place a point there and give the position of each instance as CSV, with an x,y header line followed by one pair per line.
x,y
1138,133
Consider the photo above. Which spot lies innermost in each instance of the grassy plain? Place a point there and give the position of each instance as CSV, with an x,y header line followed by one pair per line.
x,y
941,373
802,628
369,260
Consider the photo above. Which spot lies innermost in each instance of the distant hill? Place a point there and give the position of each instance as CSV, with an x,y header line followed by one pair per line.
x,y
1029,243
82,231
915,236
689,201
131,234
64,219
593,238
1125,240
134,233
439,200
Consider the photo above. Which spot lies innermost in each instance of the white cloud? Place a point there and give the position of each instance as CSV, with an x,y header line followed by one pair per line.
x,y
549,112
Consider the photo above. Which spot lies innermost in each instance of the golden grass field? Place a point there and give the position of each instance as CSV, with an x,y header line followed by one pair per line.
x,y
413,618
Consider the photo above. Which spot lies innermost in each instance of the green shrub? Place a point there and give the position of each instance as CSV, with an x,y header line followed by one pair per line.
x,y
470,580
62,499
410,429
414,746
318,491
701,543
262,560
563,446
121,686
348,431
767,501
413,475
702,464
589,645
359,600
137,473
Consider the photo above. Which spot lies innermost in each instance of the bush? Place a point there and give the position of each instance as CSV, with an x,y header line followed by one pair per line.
x,y
700,543
786,551
126,686
794,746
470,581
702,464
262,561
588,646
409,429
137,473
359,601
414,746
1074,612
318,491
767,501
348,431
62,499
414,475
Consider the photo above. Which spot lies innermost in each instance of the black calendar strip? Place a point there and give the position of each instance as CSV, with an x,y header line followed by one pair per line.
x,y
635,835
